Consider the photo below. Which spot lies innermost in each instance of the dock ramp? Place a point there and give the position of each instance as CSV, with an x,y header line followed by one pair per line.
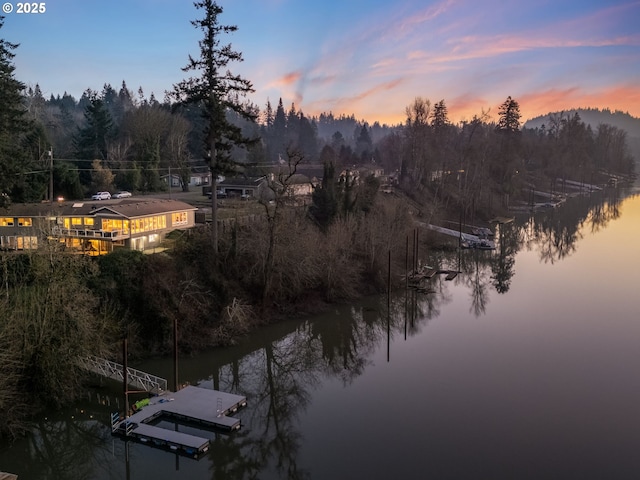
x,y
136,378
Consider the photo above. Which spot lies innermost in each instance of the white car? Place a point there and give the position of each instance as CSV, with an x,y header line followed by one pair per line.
x,y
122,194
101,196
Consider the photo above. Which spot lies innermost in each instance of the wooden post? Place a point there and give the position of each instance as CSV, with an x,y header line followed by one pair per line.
x,y
175,354
125,383
406,263
389,282
389,309
417,248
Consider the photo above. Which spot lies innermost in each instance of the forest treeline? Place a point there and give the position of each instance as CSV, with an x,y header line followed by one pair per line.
x,y
115,139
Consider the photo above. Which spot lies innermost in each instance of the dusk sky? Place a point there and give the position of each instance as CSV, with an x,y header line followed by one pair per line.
x,y
368,58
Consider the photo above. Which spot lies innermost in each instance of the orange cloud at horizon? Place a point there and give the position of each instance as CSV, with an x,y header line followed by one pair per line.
x,y
624,98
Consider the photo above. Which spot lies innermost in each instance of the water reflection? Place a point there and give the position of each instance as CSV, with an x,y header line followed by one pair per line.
x,y
502,266
555,234
67,446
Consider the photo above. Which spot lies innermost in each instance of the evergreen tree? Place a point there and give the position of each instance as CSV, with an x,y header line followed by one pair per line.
x,y
268,115
293,128
217,91
337,141
308,138
442,139
324,207
416,162
110,99
125,99
91,141
35,103
364,145
509,116
279,133
439,117
506,168
13,126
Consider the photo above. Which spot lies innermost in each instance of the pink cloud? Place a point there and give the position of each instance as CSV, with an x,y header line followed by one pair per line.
x,y
286,80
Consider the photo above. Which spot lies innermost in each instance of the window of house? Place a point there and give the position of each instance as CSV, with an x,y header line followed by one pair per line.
x,y
76,221
179,218
26,243
89,221
110,224
9,242
146,224
6,222
24,222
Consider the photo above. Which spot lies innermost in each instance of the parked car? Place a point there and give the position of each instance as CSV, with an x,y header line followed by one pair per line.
x,y
101,196
219,194
122,194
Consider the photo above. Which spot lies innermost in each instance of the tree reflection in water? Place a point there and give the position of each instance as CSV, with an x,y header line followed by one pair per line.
x,y
502,267
278,379
555,234
67,446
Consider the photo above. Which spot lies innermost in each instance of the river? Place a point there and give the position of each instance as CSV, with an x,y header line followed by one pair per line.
x,y
522,367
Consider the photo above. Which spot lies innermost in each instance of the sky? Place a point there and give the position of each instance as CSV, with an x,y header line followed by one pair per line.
x,y
368,58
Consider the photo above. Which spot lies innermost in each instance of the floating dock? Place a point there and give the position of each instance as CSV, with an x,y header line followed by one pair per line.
x,y
466,239
451,275
192,405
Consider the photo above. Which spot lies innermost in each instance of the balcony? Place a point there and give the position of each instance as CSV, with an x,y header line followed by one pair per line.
x,y
88,233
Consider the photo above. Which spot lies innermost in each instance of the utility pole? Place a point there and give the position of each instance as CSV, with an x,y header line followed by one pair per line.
x,y
51,175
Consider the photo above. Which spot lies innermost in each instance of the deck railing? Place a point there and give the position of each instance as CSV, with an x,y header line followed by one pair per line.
x,y
88,233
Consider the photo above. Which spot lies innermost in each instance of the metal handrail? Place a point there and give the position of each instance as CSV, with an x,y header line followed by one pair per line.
x,y
137,378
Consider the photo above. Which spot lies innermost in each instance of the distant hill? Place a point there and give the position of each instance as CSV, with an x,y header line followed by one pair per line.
x,y
595,117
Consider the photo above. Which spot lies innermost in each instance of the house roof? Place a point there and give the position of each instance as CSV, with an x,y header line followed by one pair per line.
x,y
310,170
241,182
133,208
129,208
298,178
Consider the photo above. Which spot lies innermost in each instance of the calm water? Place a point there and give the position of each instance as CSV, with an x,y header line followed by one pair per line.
x,y
523,367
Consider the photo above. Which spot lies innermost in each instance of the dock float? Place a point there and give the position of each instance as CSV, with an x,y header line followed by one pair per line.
x,y
451,275
203,407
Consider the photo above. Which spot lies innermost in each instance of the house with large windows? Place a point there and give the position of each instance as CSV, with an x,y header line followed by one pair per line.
x,y
94,227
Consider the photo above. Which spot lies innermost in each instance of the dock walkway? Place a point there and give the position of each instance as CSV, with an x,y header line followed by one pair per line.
x,y
113,370
194,405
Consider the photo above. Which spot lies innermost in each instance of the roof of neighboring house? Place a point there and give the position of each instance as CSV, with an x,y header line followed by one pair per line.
x,y
310,170
371,167
129,208
298,178
241,181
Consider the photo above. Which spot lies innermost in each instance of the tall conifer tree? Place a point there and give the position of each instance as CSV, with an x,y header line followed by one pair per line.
x,y
13,123
216,91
